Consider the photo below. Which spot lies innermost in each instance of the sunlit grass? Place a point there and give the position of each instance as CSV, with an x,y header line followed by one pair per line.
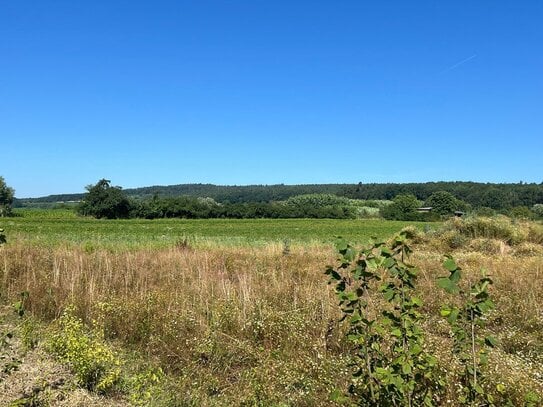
x,y
61,227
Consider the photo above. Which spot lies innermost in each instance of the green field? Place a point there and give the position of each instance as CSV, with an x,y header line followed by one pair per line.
x,y
54,227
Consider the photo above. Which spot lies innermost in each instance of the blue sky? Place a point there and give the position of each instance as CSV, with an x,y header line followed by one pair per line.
x,y
259,92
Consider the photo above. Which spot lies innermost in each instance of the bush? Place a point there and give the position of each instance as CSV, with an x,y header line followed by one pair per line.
x,y
500,227
489,246
485,212
403,207
535,233
537,209
321,206
413,234
521,212
452,239
444,203
93,362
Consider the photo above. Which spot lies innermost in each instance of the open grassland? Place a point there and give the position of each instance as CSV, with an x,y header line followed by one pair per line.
x,y
248,325
54,227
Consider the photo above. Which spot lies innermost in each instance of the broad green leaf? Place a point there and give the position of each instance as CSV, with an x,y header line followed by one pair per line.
x,y
491,341
455,276
447,285
351,296
388,294
406,368
453,316
341,245
355,318
450,264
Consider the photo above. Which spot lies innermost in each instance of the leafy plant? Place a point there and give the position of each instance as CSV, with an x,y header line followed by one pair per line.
x,y
20,306
466,321
391,366
93,362
144,385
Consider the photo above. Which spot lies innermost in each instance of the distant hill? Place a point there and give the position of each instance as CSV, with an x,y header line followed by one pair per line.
x,y
495,196
220,193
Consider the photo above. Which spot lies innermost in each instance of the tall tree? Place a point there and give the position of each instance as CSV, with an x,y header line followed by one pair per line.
x,y
105,201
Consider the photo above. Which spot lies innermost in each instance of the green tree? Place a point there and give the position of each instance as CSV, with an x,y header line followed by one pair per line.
x,y
403,207
105,201
6,198
496,199
538,210
444,203
521,212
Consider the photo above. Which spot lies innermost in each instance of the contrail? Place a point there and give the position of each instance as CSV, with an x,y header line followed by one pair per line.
x,y
450,68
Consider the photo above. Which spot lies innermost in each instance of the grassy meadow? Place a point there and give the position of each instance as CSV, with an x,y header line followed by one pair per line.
x,y
60,227
216,313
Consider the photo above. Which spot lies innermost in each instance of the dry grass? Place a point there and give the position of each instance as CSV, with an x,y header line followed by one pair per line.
x,y
251,326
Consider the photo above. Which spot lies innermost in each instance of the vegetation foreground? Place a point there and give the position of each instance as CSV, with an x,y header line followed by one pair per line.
x,y
196,322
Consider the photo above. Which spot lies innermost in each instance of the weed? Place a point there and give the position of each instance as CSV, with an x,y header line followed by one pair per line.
x,y
30,333
466,321
20,306
93,362
391,365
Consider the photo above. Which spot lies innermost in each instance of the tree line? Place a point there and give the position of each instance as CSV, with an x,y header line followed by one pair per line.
x,y
477,195
390,201
106,201
490,195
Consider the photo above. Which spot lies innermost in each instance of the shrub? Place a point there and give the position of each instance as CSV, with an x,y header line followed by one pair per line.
x,y
537,209
403,207
535,233
321,206
413,234
391,364
521,212
500,227
444,203
466,321
93,362
485,212
452,239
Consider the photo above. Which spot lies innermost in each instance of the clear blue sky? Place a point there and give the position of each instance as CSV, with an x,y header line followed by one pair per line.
x,y
260,92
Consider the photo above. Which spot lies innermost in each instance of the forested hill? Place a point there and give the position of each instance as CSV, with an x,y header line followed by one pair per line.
x,y
496,196
241,193
220,193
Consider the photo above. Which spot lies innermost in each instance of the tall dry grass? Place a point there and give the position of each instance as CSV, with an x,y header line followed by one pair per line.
x,y
252,326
